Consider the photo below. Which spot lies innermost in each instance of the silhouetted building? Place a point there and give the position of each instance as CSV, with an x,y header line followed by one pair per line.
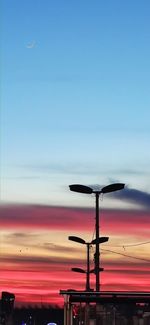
x,y
6,308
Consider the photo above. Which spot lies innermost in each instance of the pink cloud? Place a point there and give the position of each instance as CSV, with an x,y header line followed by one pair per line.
x,y
83,219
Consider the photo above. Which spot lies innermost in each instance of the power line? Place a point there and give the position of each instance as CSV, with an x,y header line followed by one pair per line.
x,y
138,244
137,258
124,246
129,245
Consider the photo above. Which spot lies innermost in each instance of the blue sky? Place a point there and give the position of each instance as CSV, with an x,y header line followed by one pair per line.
x,y
75,106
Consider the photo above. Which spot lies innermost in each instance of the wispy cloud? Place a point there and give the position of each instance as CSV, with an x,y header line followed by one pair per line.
x,y
76,168
36,216
83,219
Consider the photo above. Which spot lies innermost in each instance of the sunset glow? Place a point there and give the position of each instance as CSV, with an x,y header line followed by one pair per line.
x,y
36,256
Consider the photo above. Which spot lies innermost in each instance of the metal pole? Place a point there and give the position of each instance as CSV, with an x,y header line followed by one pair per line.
x,y
88,268
97,243
87,284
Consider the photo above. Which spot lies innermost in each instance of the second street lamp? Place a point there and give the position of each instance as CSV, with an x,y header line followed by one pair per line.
x,y
88,271
88,190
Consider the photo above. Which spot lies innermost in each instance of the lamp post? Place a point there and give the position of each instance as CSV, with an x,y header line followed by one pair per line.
x,y
87,271
88,190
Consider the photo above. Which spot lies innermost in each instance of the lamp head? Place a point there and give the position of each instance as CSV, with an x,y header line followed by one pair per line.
x,y
77,269
77,239
101,240
112,188
81,188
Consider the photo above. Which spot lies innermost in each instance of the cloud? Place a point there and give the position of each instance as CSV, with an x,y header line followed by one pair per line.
x,y
60,248
45,267
19,236
74,219
134,196
66,168
41,260
82,168
38,216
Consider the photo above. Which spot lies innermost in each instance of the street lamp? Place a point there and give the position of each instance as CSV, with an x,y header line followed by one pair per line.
x,y
88,271
88,190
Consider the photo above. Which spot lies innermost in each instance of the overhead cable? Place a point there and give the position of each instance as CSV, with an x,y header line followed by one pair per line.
x,y
137,258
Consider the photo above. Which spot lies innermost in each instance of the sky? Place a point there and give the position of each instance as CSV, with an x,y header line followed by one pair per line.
x,y
75,109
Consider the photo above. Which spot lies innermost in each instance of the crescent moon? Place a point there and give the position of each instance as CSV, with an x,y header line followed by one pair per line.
x,y
31,45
